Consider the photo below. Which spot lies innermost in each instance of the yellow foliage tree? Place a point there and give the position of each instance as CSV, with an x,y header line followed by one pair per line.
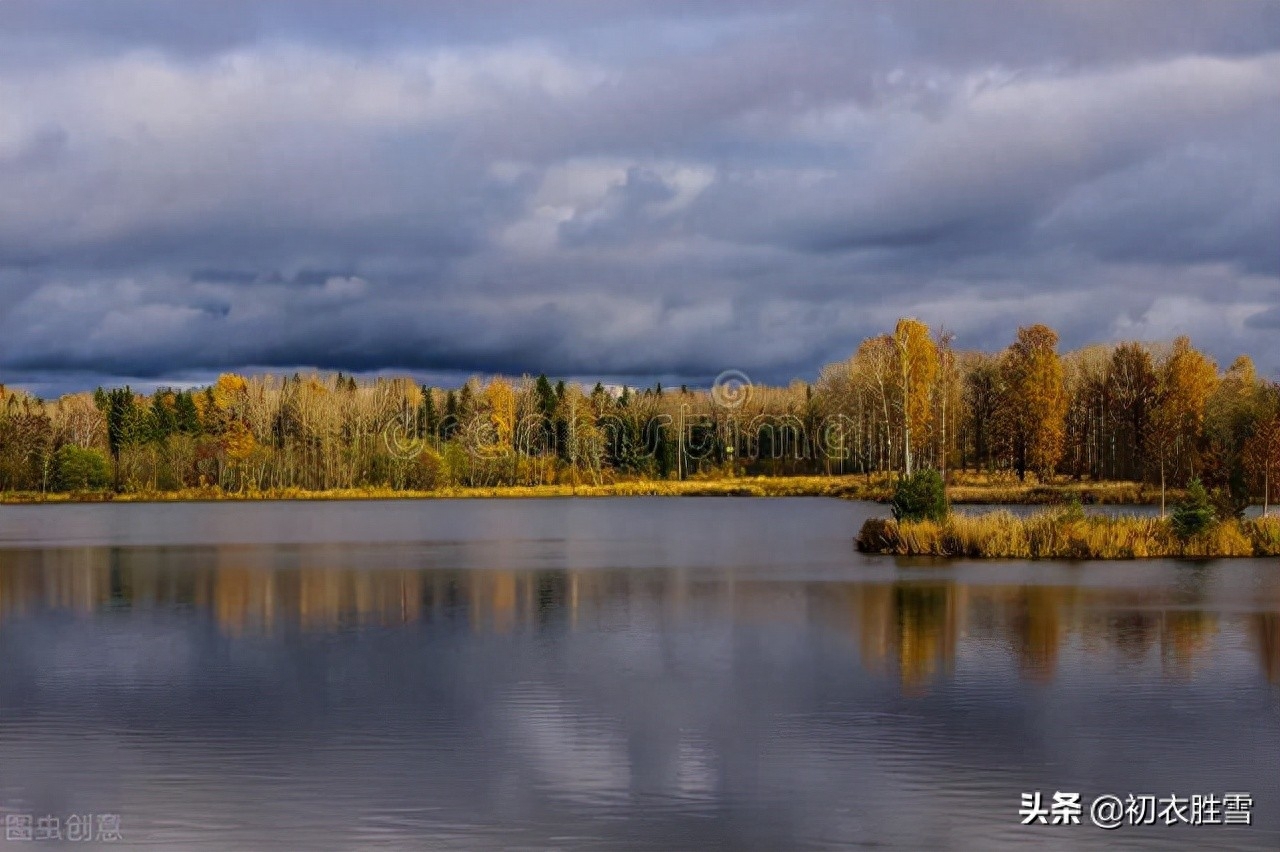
x,y
501,400
1262,455
1037,400
228,390
238,442
1187,380
917,363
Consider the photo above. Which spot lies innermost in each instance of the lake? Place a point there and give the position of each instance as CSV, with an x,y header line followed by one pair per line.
x,y
612,673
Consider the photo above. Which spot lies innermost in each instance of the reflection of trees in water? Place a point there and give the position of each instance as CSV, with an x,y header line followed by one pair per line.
x,y
1180,634
1266,633
915,629
911,630
1133,632
927,632
1035,628
1185,634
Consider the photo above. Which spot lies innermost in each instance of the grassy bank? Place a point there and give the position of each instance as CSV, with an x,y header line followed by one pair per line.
x,y
964,488
1066,535
980,488
851,487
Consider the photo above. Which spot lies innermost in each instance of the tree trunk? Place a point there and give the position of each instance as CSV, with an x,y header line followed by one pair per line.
x,y
1162,486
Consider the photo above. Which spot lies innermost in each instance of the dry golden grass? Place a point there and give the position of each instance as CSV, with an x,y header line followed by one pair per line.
x,y
1064,535
1007,488
965,488
782,486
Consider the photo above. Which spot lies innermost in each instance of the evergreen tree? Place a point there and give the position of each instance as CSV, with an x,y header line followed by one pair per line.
x,y
545,396
163,420
920,496
450,423
120,423
186,418
428,418
1193,514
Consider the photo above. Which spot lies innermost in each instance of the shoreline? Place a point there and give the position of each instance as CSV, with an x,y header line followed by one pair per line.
x,y
968,489
780,486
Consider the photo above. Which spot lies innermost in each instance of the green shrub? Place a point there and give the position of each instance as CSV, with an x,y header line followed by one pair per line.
x,y
920,496
80,469
1193,514
1228,501
1072,510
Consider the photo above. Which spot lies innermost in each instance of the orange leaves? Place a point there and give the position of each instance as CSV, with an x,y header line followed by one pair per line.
x,y
1188,378
501,399
1038,400
238,441
229,390
918,370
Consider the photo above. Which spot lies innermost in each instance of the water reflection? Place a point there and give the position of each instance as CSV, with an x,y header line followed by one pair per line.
x,y
609,675
910,628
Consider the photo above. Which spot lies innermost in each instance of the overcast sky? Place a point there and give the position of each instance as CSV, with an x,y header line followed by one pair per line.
x,y
624,190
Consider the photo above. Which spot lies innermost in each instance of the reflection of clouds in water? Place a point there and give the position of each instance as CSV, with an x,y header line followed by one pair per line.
x,y
695,770
575,755
538,732
364,696
119,655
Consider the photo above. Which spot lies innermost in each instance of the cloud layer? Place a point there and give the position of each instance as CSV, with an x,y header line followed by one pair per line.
x,y
628,190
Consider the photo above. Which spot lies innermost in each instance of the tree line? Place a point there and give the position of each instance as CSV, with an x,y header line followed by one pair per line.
x,y
1159,413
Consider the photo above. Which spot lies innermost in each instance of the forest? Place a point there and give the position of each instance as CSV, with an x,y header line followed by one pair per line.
x,y
1154,413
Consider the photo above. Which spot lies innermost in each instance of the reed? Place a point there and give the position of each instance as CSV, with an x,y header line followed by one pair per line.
x,y
779,486
1064,534
965,488
974,490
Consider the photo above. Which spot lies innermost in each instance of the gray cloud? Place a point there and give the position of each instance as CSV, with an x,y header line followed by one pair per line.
x,y
636,189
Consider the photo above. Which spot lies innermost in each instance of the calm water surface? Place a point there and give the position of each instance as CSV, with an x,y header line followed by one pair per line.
x,y
609,674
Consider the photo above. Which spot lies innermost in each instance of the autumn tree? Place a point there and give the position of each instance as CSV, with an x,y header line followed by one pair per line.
x,y
947,405
1185,381
1088,431
26,442
1131,392
875,363
917,368
1037,404
1261,451
1231,415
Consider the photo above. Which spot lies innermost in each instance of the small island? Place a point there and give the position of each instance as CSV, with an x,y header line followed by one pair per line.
x,y
924,525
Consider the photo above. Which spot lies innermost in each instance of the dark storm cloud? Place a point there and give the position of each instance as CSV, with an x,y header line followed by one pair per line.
x,y
633,189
